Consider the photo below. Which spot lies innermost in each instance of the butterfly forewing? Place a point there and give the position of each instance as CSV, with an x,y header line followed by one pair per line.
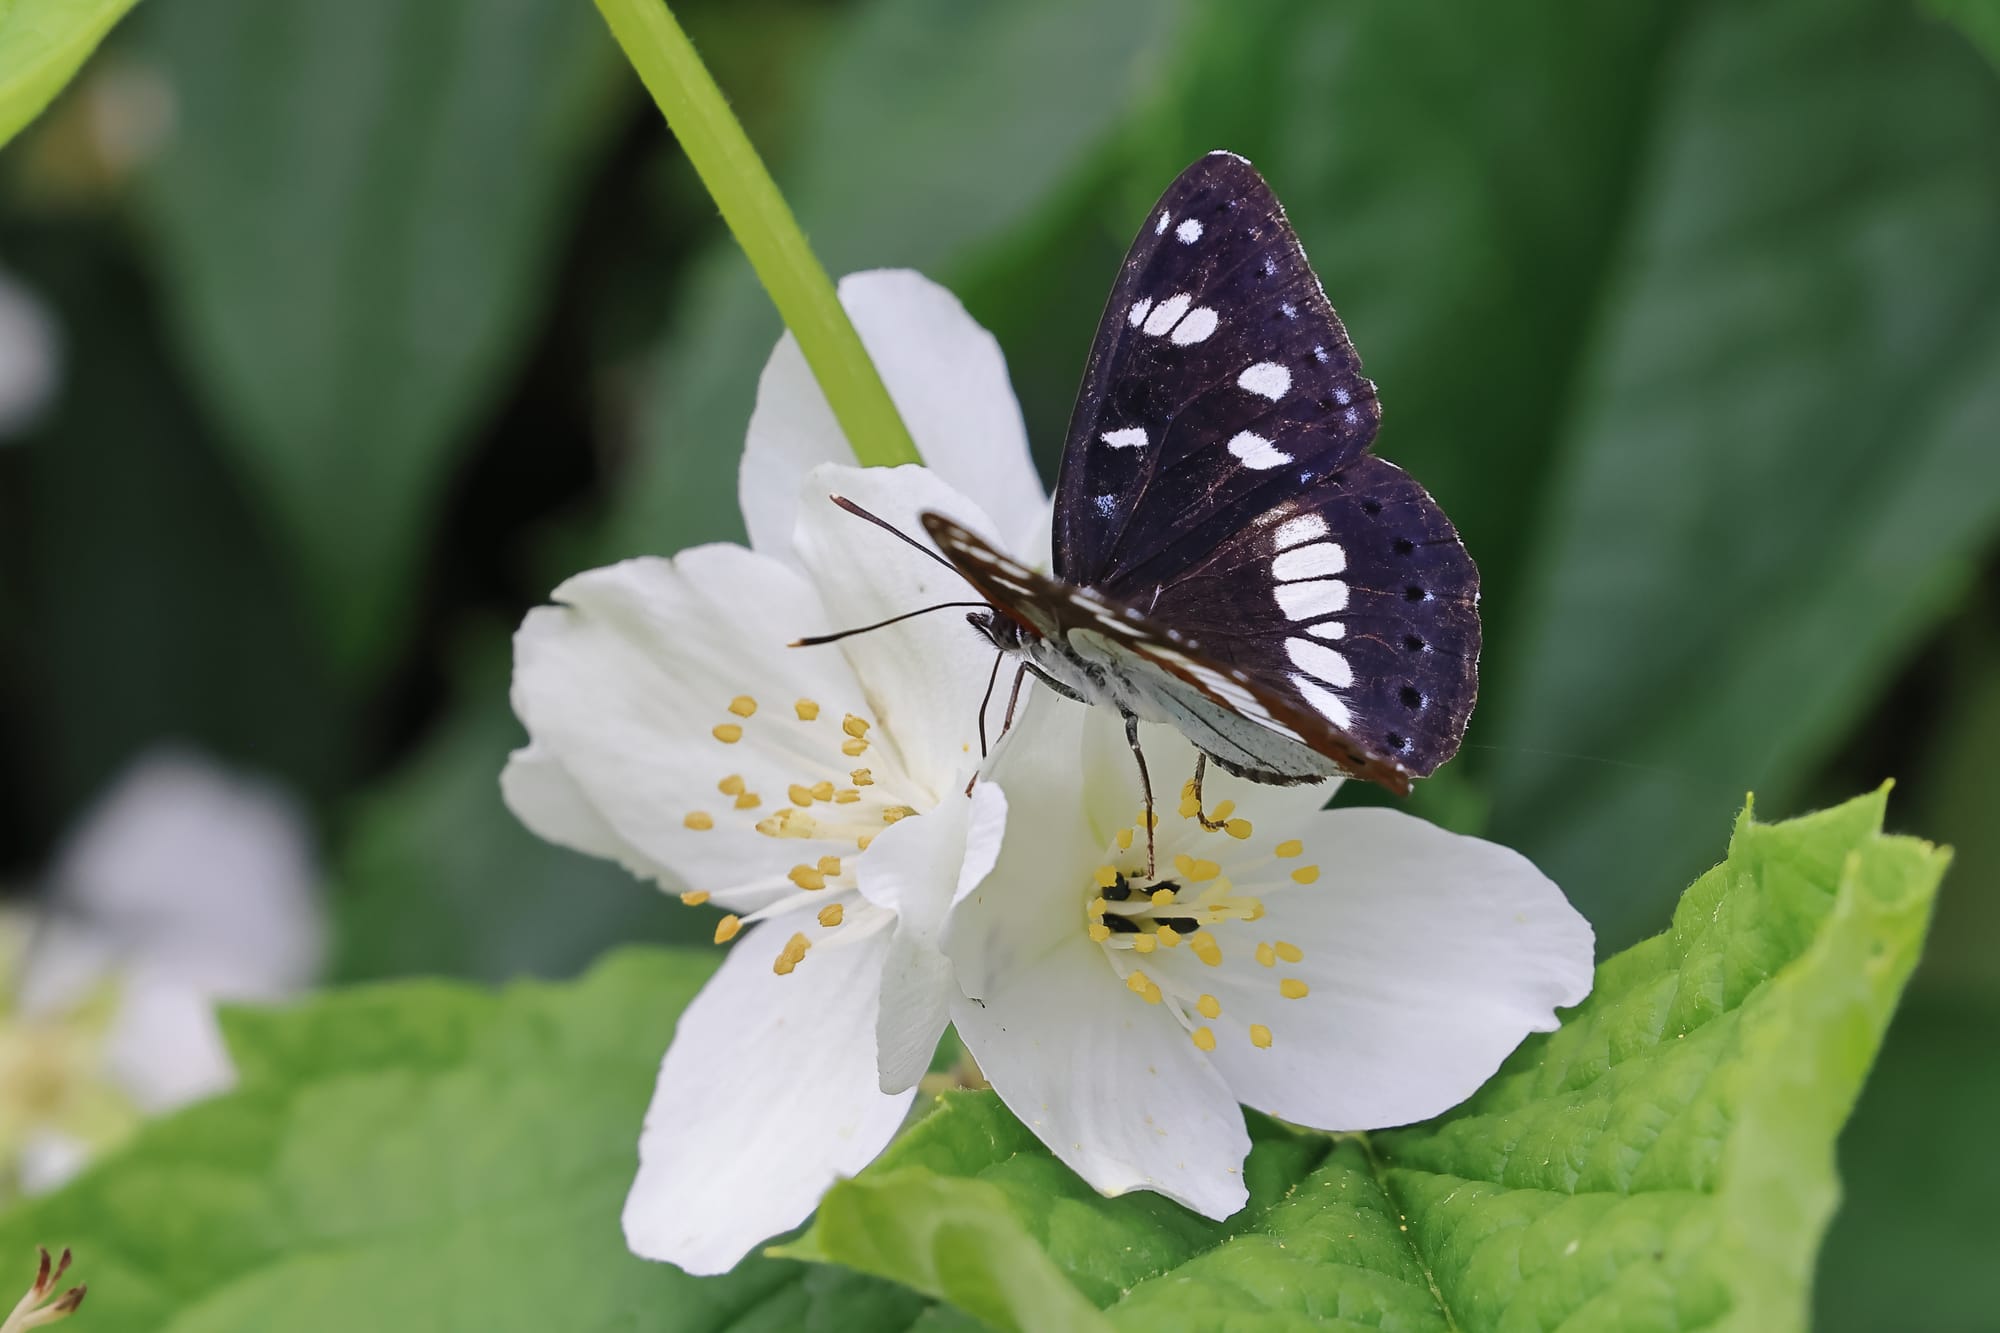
x,y
1220,383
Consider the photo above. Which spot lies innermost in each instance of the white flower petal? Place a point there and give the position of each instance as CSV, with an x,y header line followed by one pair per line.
x,y
915,869
1111,1084
925,677
542,795
627,682
766,1097
949,382
1428,957
1113,782
164,1046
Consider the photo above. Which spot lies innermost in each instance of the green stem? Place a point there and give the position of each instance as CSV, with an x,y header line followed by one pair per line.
x,y
764,226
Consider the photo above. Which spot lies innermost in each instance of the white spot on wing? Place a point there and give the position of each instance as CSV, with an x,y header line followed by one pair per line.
x,y
1167,313
1137,314
1311,600
1340,393
1107,505
1132,437
1189,231
1200,322
1304,528
1328,629
1256,451
1319,660
1289,310
1317,561
1324,702
1266,378
1160,227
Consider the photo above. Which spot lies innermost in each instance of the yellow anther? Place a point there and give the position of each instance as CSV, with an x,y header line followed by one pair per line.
x,y
1289,847
862,777
699,819
1203,871
1209,1006
743,705
1187,788
727,732
1205,948
1189,807
1203,1038
806,878
823,790
695,897
749,800
1144,943
1124,840
1099,931
1168,936
1266,956
854,749
1306,874
1148,819
1260,1036
854,726
731,785
800,795
1162,897
1238,829
1184,864
1292,988
896,812
1223,811
725,929
1142,986
1106,876
1289,951
829,866
846,796
829,916
861,841
1255,911
807,710
791,955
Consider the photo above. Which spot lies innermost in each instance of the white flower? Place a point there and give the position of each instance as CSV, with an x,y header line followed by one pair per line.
x,y
1343,970
672,729
185,886
30,357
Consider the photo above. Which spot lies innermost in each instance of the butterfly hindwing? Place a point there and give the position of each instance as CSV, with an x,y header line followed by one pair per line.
x,y
1219,383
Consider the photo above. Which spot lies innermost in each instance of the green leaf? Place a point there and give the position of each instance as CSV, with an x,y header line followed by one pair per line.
x,y
874,185
1775,470
355,222
420,1156
1664,1161
42,45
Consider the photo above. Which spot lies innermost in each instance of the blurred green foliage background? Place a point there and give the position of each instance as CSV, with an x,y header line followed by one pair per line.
x,y
379,318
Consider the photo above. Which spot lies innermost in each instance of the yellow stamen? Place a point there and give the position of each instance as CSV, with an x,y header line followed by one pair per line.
x,y
725,929
1095,908
743,705
806,878
695,897
1266,956
1238,829
1184,864
1222,812
1142,986
801,796
749,800
896,812
1289,847
1144,943
854,749
1124,840
1106,876
823,790
829,916
1203,871
727,732
1306,874
791,955
699,819
1289,951
861,842
1209,1006
1148,819
1099,931
1205,948
1190,807
1260,1036
1292,988
829,865
1203,1038
854,726
1161,897
1168,936
846,796
862,777
731,785
807,710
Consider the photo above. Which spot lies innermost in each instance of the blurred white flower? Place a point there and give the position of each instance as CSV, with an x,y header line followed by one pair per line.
x,y
184,886
1344,970
815,793
30,357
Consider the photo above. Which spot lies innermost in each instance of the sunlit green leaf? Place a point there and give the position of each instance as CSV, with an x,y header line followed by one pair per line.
x,y
42,44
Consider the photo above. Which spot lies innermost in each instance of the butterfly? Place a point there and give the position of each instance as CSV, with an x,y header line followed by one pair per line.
x,y
1229,557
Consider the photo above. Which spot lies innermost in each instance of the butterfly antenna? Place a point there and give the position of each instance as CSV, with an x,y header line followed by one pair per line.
x,y
1145,785
815,640
889,527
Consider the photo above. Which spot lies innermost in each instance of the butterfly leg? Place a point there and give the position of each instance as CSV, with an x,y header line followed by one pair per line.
x,y
1145,785
1194,794
1006,722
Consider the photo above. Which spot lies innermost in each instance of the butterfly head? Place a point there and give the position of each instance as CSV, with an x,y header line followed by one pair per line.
x,y
1003,632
